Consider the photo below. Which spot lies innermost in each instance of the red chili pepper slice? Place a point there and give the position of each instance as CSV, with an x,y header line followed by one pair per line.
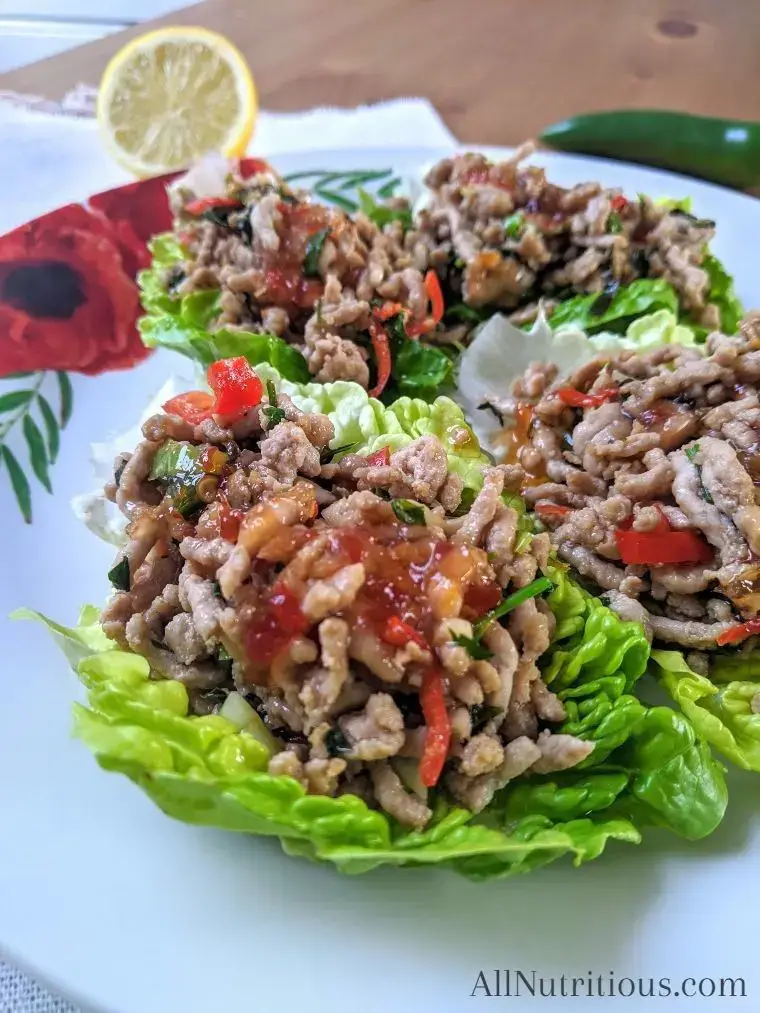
x,y
381,458
653,548
236,387
577,399
229,520
193,406
434,293
382,349
740,632
390,309
197,207
251,166
552,510
619,203
438,735
399,633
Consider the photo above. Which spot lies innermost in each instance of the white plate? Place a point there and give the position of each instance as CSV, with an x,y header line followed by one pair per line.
x,y
130,912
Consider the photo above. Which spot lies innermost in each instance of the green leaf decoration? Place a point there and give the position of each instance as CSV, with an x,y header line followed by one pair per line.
x,y
37,451
19,483
31,412
67,398
52,428
15,399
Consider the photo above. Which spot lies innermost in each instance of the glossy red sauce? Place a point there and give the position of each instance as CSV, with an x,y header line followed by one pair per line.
x,y
398,570
284,279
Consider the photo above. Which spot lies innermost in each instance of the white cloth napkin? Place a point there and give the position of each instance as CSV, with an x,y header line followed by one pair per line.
x,y
51,155
48,159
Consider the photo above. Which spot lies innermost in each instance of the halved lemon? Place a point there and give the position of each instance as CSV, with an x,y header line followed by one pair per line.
x,y
172,95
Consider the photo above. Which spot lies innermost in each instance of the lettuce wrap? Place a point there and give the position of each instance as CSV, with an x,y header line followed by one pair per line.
x,y
651,768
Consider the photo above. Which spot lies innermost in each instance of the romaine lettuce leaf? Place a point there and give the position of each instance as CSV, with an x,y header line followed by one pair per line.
x,y
650,331
203,770
723,714
599,312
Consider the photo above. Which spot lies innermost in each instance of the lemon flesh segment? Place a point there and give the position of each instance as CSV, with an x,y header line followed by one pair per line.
x,y
166,101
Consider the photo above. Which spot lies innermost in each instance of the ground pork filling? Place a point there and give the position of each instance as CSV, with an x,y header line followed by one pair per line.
x,y
646,471
307,586
496,236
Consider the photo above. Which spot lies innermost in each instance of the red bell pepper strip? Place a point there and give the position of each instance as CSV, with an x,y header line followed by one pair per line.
x,y
740,632
236,387
193,406
399,633
438,735
197,207
577,399
381,458
619,203
382,349
653,548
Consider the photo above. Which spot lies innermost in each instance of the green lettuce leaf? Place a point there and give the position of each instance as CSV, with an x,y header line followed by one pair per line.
x,y
181,323
723,714
642,335
677,783
595,312
368,425
723,294
566,796
204,770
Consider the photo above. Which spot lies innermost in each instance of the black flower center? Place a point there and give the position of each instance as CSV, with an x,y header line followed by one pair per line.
x,y
46,288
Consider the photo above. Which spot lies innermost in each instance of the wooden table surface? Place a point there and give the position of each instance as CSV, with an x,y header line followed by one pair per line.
x,y
498,70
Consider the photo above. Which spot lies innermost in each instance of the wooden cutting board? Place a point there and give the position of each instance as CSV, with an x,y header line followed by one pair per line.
x,y
498,70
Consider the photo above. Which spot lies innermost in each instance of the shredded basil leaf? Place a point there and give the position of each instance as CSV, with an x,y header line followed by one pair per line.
x,y
536,587
313,251
691,452
614,225
223,655
481,714
461,311
381,214
486,406
476,650
602,303
465,503
514,225
408,512
336,743
272,413
328,455
119,575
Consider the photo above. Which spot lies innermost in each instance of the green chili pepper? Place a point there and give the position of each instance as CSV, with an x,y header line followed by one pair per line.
x,y
723,151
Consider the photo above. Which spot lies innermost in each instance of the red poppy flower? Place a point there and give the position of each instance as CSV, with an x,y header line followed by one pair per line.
x,y
137,212
68,298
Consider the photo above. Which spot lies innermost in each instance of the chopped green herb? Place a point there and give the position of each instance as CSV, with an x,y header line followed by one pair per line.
x,y
461,311
486,406
118,472
217,589
514,225
691,452
328,455
313,252
536,587
476,650
602,303
336,743
408,512
223,654
481,714
381,214
119,575
272,413
614,225
465,503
